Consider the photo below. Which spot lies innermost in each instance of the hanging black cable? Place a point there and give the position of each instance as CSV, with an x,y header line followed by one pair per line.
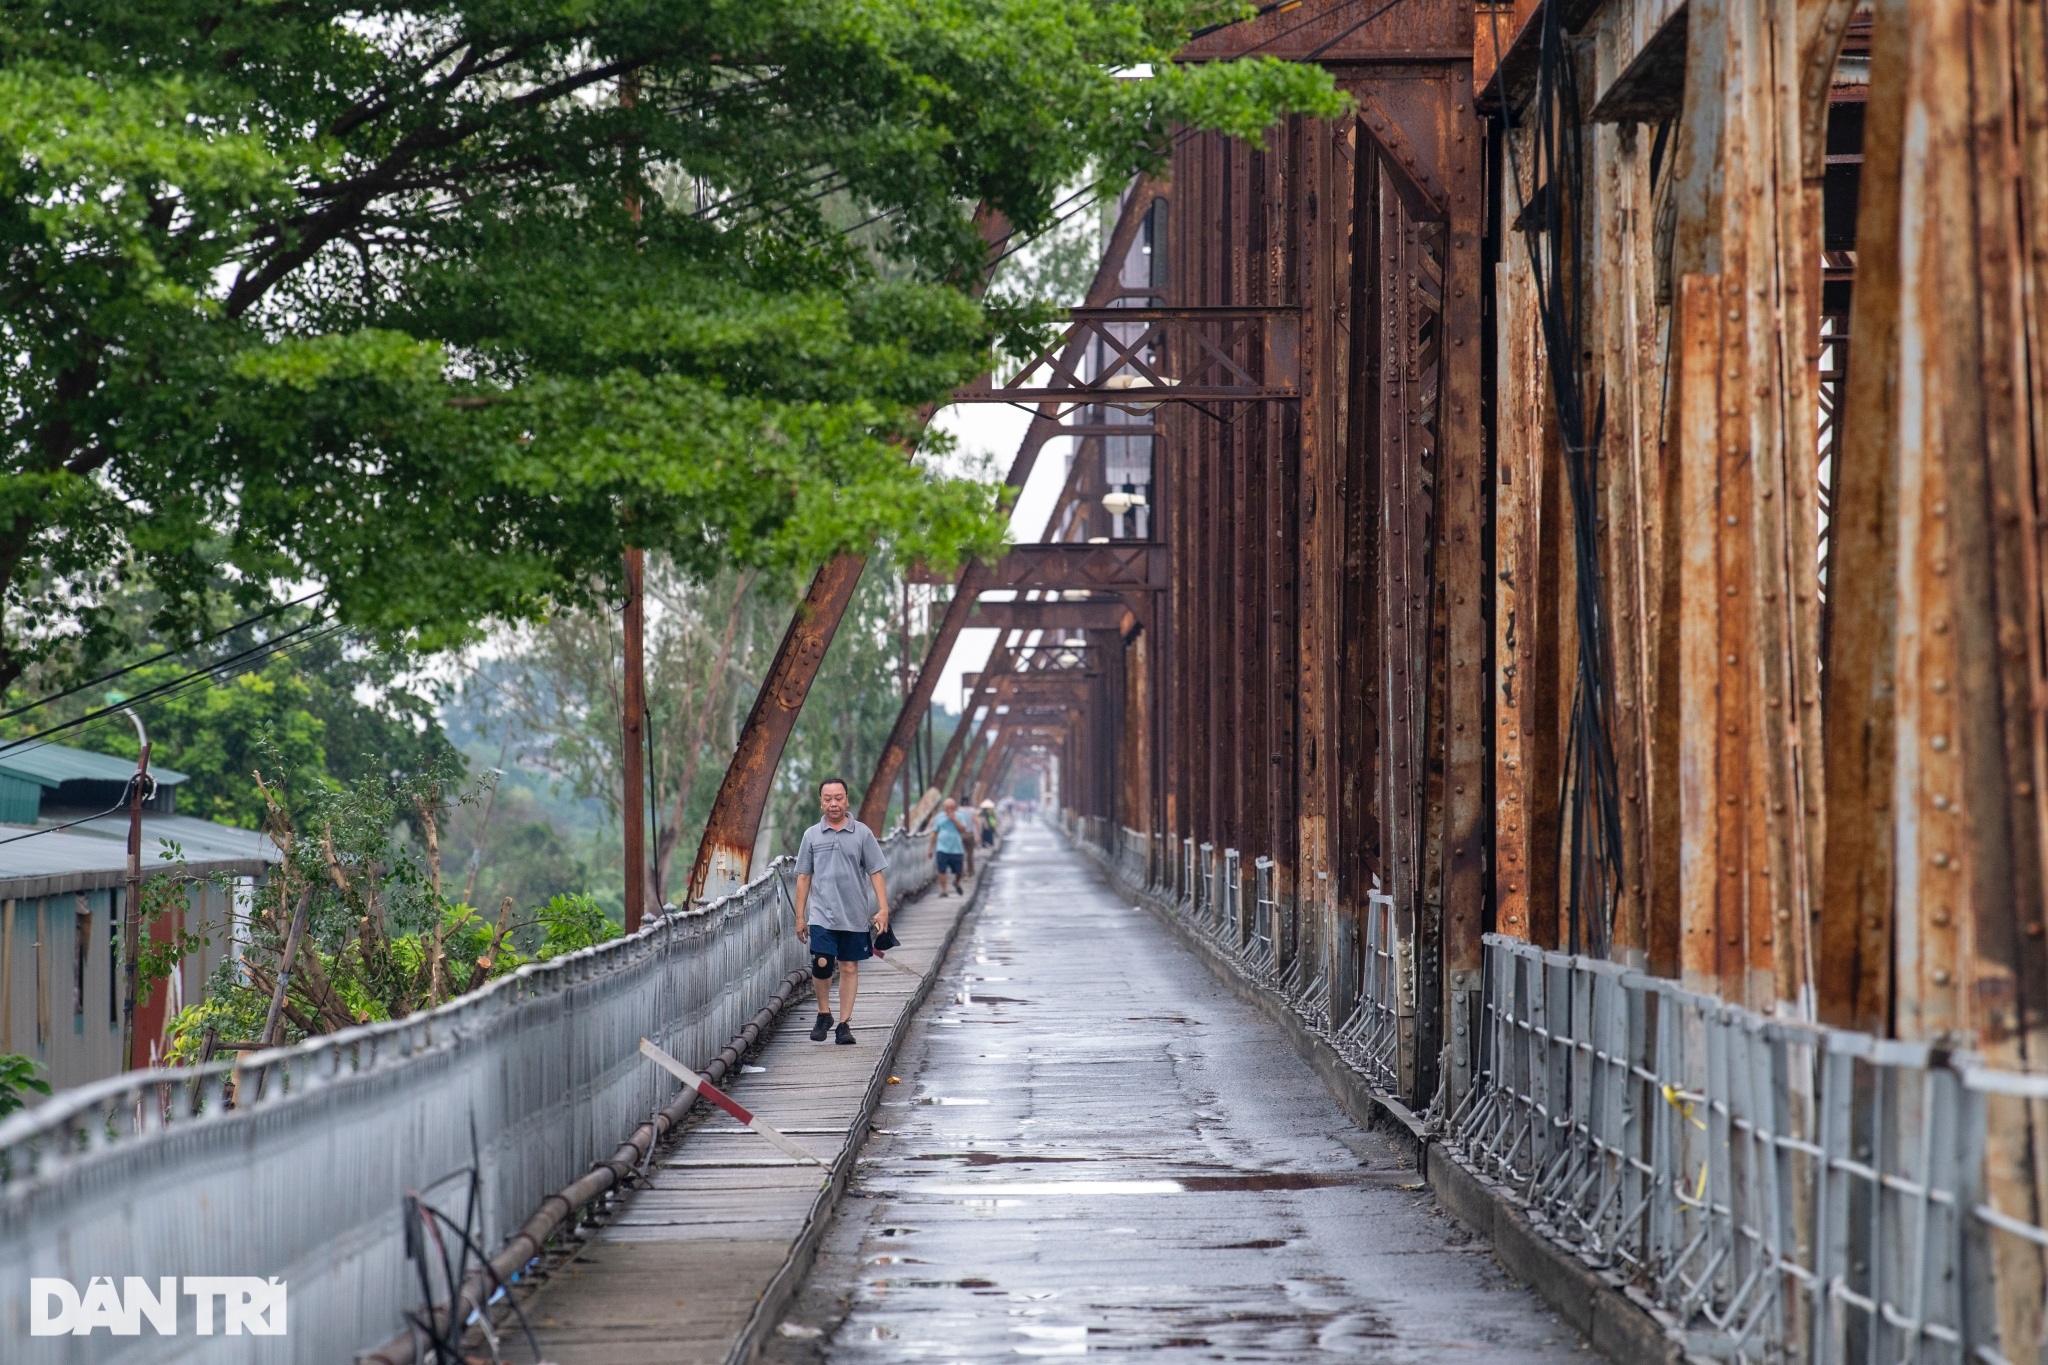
x,y
200,677
112,674
1551,223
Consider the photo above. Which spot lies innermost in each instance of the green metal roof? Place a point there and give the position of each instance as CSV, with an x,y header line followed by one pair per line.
x,y
49,764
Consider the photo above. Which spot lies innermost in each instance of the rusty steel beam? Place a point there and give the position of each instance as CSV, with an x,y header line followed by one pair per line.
x,y
1061,684
726,853
1007,767
1027,614
1154,355
1119,566
874,802
1000,659
971,579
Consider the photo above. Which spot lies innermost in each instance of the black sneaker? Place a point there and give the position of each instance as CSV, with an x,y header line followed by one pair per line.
x,y
822,1027
844,1036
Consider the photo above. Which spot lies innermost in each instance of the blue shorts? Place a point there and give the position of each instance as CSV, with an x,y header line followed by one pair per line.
x,y
843,944
951,862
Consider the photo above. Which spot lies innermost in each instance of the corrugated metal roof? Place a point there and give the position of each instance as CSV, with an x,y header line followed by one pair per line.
x,y
195,837
50,764
94,855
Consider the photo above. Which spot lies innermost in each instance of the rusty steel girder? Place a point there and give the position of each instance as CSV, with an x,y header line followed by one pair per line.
x,y
970,579
1029,614
1119,566
1147,356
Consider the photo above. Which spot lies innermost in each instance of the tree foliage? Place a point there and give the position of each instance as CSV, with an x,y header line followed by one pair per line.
x,y
441,305
17,1079
320,711
554,697
384,931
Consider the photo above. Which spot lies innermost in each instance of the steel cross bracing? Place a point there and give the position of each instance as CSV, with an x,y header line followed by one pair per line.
x,y
1129,243
1734,675
1133,358
1117,565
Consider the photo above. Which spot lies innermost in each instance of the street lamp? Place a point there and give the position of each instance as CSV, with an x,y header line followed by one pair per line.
x,y
1120,503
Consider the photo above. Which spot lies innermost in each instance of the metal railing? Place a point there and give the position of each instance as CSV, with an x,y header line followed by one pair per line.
x,y
1772,1191
1379,1033
1775,1190
1230,902
1261,947
305,1175
1133,855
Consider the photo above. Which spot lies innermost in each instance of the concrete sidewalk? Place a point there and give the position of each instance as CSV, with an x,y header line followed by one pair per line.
x,y
726,1220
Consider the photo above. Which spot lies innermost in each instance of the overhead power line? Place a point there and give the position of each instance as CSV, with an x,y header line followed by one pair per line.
x,y
109,676
237,663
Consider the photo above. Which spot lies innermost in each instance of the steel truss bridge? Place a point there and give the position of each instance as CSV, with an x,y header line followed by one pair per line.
x,y
1496,608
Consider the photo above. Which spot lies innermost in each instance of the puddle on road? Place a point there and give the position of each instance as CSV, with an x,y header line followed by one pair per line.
x,y
997,1159
1048,1340
951,1100
1227,1180
1053,1187
1260,1182
1272,1180
1261,1244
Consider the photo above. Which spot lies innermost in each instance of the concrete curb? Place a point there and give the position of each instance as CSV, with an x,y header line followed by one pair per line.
x,y
782,1289
1599,1309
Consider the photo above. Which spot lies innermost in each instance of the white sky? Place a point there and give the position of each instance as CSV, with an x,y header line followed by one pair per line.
x,y
988,436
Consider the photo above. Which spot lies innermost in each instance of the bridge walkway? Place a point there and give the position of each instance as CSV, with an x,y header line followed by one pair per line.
x,y
1097,1147
674,1274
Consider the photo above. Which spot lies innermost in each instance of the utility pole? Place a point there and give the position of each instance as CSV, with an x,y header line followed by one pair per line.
x,y
633,801
904,688
131,904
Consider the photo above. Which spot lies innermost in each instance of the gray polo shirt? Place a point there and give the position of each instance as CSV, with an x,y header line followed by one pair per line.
x,y
839,862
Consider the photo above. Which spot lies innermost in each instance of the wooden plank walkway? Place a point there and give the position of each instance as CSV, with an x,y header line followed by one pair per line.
x,y
675,1275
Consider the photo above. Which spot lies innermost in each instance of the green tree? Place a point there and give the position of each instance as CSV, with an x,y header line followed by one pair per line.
x,y
850,710
220,736
322,712
17,1076
554,697
440,306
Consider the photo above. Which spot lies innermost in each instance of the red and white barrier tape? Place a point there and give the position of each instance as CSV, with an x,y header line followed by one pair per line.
x,y
724,1101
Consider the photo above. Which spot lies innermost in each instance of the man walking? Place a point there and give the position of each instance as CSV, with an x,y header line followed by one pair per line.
x,y
949,845
837,854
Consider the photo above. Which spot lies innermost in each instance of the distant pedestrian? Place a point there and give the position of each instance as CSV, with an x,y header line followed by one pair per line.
x,y
837,856
949,845
987,820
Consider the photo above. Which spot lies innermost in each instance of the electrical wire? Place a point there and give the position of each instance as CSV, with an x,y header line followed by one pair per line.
x,y
292,639
159,658
129,788
1590,788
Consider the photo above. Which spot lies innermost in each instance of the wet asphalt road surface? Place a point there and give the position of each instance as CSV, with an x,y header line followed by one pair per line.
x,y
1096,1148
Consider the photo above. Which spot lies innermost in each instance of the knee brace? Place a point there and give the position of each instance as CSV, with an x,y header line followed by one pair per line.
x,y
821,966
